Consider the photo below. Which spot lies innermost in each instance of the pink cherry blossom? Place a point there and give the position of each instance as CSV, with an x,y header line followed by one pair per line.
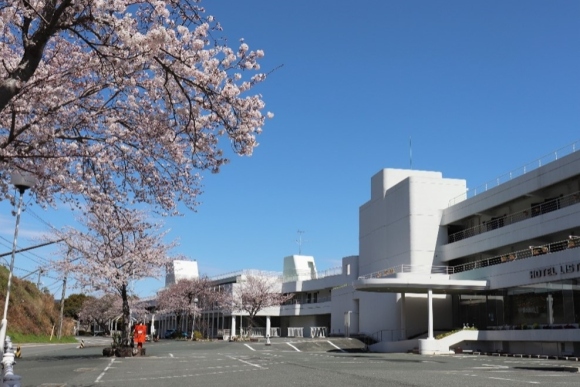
x,y
255,293
121,100
117,246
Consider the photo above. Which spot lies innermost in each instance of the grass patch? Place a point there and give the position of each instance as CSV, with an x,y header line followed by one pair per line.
x,y
19,338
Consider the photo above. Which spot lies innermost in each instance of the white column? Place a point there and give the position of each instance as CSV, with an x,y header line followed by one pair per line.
x,y
403,314
268,326
430,302
233,332
550,301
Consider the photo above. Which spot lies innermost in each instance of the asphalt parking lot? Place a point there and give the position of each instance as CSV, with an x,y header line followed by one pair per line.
x,y
306,362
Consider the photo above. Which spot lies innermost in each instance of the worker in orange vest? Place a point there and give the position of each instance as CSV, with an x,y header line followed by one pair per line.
x,y
139,334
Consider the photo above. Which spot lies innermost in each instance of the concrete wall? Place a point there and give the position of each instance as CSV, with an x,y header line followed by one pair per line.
x,y
181,270
417,313
344,299
299,268
400,225
377,312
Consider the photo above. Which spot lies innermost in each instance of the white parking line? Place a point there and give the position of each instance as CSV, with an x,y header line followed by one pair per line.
x,y
294,347
335,346
249,347
515,380
105,370
245,362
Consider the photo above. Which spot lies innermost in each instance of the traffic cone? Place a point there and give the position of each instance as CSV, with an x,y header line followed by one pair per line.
x,y
18,353
82,344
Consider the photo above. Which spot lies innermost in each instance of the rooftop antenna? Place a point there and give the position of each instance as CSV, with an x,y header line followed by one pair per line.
x,y
410,153
299,241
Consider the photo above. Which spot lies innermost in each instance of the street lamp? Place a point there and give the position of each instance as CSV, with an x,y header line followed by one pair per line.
x,y
22,181
195,301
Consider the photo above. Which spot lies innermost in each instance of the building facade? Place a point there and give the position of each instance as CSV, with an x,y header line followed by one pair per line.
x,y
502,261
435,257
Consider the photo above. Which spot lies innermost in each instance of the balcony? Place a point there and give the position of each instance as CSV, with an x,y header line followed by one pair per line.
x,y
322,305
548,205
532,251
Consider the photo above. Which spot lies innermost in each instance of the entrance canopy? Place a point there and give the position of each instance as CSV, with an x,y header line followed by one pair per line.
x,y
408,283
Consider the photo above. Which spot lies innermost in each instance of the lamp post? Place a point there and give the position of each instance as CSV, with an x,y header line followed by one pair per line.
x,y
22,181
195,301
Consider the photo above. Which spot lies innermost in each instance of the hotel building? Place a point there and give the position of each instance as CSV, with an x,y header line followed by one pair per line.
x,y
497,265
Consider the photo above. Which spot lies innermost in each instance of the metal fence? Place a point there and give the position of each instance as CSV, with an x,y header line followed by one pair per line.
x,y
550,157
254,332
295,332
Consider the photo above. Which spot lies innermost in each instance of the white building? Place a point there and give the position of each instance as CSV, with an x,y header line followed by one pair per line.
x,y
181,269
502,261
435,257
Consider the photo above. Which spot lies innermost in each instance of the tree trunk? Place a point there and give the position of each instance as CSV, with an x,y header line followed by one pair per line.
x,y
126,316
250,324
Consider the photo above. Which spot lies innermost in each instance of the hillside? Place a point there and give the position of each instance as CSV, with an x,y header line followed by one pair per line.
x,y
30,311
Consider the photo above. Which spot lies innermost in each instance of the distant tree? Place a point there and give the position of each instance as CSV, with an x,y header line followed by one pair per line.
x,y
179,298
255,293
100,310
73,305
119,246
122,99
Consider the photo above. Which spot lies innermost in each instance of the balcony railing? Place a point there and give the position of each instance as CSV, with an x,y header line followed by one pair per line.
x,y
247,272
254,332
548,205
307,275
553,156
532,251
305,302
416,269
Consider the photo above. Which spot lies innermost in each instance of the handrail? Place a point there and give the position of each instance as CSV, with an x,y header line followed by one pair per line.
x,y
417,269
532,251
251,272
307,275
546,159
302,302
515,217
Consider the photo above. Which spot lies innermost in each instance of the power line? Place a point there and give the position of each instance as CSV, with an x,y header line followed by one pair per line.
x,y
42,220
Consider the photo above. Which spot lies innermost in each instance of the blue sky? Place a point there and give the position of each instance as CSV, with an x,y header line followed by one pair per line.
x,y
481,88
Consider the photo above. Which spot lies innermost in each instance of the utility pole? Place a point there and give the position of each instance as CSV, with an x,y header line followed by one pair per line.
x,y
40,271
63,295
62,307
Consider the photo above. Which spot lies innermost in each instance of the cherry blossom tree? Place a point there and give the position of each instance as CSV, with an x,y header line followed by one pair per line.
x,y
118,246
179,298
100,310
121,99
255,293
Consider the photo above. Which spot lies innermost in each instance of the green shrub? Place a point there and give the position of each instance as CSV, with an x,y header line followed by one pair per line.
x,y
197,335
